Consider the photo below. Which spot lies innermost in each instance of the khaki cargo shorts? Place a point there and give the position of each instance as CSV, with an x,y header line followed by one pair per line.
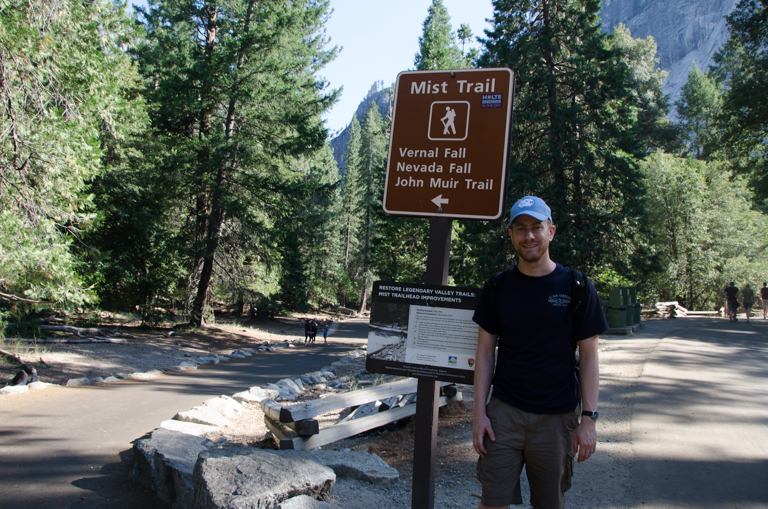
x,y
541,442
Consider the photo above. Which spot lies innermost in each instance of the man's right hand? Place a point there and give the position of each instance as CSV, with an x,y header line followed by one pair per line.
x,y
481,425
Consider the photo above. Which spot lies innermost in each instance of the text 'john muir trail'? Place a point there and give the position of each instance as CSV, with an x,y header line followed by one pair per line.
x,y
449,183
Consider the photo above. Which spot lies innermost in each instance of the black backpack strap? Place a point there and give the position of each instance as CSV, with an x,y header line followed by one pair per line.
x,y
579,299
492,286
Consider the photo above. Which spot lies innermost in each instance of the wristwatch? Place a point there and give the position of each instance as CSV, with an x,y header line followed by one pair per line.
x,y
589,413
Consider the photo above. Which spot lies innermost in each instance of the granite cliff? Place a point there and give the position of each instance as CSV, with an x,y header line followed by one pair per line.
x,y
685,31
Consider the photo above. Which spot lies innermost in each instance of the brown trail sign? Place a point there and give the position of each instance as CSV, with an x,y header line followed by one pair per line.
x,y
449,145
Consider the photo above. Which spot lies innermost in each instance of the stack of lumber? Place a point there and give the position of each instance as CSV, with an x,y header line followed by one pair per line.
x,y
295,426
671,310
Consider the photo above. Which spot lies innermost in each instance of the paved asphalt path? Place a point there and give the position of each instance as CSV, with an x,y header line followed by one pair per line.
x,y
71,447
700,418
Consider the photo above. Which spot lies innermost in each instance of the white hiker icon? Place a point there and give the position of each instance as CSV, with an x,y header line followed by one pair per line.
x,y
447,121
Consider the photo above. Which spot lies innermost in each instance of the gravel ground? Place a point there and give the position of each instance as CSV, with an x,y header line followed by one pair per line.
x,y
603,481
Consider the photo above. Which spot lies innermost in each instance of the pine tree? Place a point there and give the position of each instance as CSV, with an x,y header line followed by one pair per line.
x,y
572,142
370,183
742,69
68,98
437,44
699,107
233,91
653,130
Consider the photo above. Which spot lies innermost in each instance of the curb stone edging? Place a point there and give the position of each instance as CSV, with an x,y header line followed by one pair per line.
x,y
187,365
353,464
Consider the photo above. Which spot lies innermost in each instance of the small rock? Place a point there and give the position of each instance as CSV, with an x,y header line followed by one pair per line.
x,y
42,385
203,415
190,428
225,405
303,502
78,382
147,375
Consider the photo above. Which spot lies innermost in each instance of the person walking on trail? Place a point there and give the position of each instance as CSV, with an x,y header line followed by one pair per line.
x,y
532,417
325,333
732,298
307,330
747,298
764,298
314,330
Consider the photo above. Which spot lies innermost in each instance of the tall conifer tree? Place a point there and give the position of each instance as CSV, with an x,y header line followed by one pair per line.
x,y
233,91
437,44
699,107
572,141
373,146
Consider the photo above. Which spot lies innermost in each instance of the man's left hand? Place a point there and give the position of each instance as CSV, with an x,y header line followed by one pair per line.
x,y
585,439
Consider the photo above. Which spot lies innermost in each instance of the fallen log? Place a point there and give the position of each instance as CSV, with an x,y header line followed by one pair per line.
x,y
68,340
77,331
10,355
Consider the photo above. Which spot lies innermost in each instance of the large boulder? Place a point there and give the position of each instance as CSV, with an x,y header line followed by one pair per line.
x,y
351,464
254,478
165,462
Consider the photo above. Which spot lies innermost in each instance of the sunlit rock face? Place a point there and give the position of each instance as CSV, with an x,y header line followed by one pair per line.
x,y
685,31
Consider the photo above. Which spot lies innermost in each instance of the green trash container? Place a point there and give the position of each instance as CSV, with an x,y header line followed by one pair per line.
x,y
633,296
617,309
629,312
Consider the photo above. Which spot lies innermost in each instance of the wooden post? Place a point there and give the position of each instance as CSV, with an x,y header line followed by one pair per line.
x,y
428,391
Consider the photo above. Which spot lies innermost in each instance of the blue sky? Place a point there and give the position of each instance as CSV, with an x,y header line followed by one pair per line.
x,y
378,40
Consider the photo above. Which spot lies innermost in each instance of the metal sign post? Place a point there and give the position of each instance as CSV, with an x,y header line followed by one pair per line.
x,y
428,391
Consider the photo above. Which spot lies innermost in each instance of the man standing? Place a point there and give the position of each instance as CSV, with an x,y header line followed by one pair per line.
x,y
764,297
732,297
532,418
747,299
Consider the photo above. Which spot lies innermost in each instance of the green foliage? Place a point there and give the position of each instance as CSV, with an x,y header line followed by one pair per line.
x,y
702,229
437,44
370,184
644,82
67,98
235,96
699,107
573,141
742,68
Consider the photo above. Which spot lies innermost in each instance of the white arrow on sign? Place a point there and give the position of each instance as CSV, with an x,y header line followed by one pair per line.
x,y
439,200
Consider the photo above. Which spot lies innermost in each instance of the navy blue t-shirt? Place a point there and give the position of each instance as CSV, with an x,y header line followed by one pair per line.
x,y
534,322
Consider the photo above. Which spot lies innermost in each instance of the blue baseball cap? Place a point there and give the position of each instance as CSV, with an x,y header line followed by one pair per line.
x,y
530,206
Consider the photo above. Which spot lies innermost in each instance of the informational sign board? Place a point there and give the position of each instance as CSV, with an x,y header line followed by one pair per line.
x,y
423,331
449,144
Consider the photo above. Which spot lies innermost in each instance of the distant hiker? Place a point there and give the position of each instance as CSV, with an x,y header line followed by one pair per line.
x,y
314,330
325,333
764,297
307,331
747,299
732,296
